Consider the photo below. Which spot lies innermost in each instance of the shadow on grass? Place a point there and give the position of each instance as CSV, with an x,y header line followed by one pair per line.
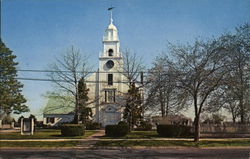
x,y
57,136
147,143
173,143
136,135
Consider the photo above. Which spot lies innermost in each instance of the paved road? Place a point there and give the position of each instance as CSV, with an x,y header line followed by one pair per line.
x,y
150,153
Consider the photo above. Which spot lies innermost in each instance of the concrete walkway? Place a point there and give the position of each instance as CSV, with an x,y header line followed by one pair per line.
x,y
97,135
90,141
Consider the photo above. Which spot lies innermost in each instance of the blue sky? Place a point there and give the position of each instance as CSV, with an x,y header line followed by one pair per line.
x,y
39,30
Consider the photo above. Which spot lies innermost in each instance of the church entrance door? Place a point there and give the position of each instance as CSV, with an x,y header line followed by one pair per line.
x,y
111,116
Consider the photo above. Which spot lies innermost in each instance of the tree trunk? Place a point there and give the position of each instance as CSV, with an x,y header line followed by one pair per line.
x,y
167,107
242,111
233,117
76,115
197,128
130,122
163,113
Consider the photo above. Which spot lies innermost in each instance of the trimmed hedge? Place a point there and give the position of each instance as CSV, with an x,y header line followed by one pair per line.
x,y
72,130
174,130
116,130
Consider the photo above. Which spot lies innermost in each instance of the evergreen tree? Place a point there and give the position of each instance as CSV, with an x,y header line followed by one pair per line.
x,y
133,109
84,112
11,98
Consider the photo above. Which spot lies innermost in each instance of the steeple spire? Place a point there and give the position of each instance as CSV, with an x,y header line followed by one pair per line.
x,y
111,18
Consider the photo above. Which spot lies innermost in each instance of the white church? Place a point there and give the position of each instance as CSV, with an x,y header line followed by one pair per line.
x,y
108,88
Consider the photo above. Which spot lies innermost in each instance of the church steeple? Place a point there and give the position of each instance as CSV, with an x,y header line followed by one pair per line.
x,y
110,86
111,40
111,33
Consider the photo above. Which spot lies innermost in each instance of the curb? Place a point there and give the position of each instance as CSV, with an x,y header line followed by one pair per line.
x,y
98,139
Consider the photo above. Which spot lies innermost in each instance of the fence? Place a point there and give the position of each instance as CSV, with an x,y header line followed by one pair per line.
x,y
225,130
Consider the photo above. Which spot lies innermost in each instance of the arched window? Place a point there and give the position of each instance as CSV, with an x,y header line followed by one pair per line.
x,y
111,52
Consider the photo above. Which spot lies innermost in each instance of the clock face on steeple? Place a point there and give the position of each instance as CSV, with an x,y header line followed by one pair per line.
x,y
110,64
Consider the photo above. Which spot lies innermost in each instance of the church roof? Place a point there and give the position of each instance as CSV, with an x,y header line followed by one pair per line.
x,y
56,105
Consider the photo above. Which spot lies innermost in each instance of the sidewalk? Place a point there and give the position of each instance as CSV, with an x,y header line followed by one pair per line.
x,y
96,138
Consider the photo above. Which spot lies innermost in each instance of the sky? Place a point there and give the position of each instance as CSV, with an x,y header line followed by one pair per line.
x,y
38,31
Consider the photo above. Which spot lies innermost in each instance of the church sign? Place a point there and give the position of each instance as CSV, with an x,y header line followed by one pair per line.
x,y
27,126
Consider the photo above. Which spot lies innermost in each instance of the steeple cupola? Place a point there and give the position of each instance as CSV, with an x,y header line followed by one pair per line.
x,y
111,33
111,44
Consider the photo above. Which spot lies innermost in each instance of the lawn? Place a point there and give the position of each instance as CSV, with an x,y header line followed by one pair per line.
x,y
174,143
39,144
44,134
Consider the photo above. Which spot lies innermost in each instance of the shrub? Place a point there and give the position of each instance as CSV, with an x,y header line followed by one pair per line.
x,y
93,126
116,130
8,120
174,130
144,126
72,130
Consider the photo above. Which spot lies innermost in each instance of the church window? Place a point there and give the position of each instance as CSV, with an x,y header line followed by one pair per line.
x,y
110,79
110,96
110,52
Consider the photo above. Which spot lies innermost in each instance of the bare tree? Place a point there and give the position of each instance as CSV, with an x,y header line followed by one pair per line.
x,y
198,70
233,94
68,69
238,78
132,67
224,98
161,87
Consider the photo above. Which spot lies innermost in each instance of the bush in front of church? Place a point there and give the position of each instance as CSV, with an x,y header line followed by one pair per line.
x,y
72,130
174,130
116,130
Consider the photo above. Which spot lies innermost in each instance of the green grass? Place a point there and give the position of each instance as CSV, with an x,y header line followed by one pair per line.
x,y
44,134
39,144
171,143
